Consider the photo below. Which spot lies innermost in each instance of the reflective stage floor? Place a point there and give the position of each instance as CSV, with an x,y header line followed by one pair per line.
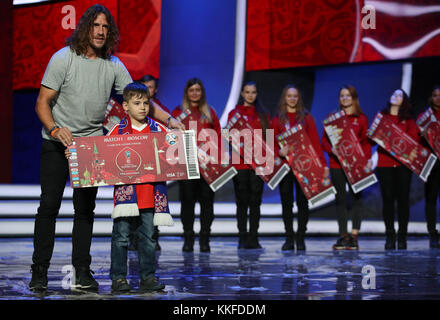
x,y
230,274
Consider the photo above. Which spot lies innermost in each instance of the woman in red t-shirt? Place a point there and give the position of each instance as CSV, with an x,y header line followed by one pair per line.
x,y
432,185
349,102
248,186
395,178
194,190
291,111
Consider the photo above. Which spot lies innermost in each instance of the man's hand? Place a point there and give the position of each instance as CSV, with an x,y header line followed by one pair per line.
x,y
64,136
174,124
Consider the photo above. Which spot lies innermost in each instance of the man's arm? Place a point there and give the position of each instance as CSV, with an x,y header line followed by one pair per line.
x,y
44,112
158,113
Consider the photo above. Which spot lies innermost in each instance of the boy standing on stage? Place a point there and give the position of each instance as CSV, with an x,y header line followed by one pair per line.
x,y
141,210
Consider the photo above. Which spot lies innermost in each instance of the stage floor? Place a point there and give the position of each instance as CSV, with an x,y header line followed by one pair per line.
x,y
227,273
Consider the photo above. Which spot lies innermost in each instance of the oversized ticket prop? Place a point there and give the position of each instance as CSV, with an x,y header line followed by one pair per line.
x,y
280,167
430,127
352,158
306,164
113,114
133,158
400,145
216,172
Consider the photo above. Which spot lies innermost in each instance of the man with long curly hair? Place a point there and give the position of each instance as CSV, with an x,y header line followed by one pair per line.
x,y
73,97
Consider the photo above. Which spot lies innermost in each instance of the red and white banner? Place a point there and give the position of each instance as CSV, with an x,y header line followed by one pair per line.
x,y
400,145
352,158
430,127
270,168
133,158
306,164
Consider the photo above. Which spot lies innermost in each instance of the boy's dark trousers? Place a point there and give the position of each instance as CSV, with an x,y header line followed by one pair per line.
x,y
54,172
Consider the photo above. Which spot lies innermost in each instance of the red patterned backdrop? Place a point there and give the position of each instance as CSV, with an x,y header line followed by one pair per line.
x,y
39,33
291,33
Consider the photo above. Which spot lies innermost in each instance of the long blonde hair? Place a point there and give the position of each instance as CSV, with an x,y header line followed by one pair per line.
x,y
203,105
301,111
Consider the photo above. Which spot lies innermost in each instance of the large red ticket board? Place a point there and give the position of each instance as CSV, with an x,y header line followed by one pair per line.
x,y
352,158
275,168
430,128
216,172
306,164
400,145
133,158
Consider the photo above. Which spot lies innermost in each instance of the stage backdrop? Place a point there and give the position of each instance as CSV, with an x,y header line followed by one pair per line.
x,y
40,30
289,33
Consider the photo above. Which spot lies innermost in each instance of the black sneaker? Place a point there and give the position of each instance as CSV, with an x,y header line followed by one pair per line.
x,y
39,278
353,243
151,284
120,285
342,243
84,280
289,244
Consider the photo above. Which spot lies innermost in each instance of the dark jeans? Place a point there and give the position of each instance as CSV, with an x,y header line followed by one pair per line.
x,y
53,177
191,191
146,245
286,194
395,186
339,181
248,189
432,190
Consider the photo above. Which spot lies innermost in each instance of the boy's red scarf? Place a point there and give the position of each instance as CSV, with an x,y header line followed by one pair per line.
x,y
124,196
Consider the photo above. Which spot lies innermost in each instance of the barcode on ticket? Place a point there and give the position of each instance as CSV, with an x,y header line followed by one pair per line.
x,y
191,154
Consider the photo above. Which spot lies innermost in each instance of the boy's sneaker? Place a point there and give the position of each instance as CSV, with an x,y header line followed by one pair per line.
x,y
84,280
120,285
353,243
39,278
342,243
151,284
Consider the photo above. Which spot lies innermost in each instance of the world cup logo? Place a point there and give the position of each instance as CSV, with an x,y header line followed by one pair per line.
x,y
127,154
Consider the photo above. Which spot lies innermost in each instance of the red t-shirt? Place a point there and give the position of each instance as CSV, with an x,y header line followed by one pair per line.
x,y
360,127
254,120
309,125
410,127
144,191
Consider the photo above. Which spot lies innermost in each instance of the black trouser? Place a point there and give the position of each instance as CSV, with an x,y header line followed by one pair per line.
x,y
339,181
53,177
395,186
432,190
248,189
286,194
191,191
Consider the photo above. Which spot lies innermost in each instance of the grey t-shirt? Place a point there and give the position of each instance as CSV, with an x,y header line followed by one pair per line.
x,y
84,87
